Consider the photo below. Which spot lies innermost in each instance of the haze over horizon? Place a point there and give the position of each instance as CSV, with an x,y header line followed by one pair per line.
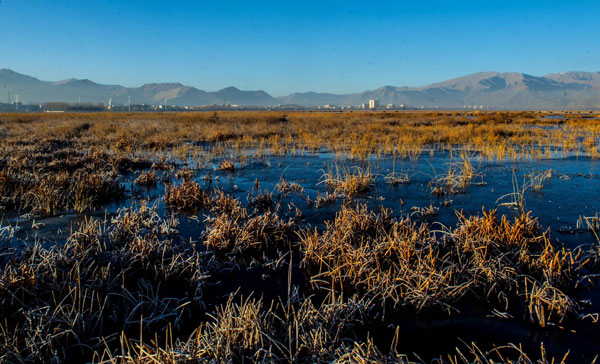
x,y
490,90
336,47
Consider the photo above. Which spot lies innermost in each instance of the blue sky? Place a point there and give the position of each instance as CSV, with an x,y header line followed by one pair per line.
x,y
285,46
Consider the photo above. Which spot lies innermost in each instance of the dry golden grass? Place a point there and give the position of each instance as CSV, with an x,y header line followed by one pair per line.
x,y
146,179
349,181
186,195
260,236
405,265
284,187
355,134
43,156
132,290
226,165
459,176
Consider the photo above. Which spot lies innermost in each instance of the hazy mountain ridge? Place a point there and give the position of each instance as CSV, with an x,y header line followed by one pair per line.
x,y
496,90
507,90
33,90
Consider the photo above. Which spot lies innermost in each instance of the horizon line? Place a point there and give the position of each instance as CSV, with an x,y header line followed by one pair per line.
x,y
294,92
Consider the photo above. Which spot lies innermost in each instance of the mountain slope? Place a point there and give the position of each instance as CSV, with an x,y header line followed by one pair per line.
x,y
232,95
313,98
585,78
489,89
494,90
33,90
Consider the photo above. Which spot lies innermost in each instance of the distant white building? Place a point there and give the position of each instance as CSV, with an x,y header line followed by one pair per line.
x,y
373,104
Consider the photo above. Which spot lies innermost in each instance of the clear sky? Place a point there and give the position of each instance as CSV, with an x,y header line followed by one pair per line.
x,y
285,46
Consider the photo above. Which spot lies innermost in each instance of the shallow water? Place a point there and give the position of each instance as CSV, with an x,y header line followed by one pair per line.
x,y
567,195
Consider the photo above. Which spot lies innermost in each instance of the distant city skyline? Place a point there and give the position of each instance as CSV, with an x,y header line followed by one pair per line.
x,y
280,47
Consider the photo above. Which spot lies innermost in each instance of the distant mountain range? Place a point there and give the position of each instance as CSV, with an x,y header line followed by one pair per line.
x,y
575,90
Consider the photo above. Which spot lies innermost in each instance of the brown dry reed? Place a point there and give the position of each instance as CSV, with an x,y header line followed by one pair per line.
x,y
257,287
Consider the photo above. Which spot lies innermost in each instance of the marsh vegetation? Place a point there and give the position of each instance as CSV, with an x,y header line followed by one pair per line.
x,y
232,237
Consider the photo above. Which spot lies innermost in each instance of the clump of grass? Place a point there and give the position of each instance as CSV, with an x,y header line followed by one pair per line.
x,y
222,202
517,197
457,179
425,211
350,181
548,304
238,331
284,187
249,236
226,165
537,179
262,202
186,195
185,173
326,199
533,181
8,188
396,178
131,222
146,179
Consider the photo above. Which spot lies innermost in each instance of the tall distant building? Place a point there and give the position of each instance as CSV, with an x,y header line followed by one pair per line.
x,y
373,104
